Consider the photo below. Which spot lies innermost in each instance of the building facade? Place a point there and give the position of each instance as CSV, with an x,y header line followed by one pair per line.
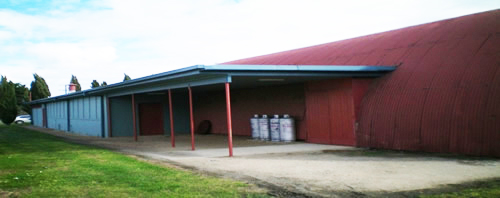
x,y
433,87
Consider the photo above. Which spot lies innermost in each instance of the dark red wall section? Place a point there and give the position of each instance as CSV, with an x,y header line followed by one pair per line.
x,y
444,95
359,87
151,119
318,117
330,112
285,99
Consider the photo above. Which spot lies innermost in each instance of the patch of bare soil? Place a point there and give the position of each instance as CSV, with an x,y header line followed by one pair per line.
x,y
8,194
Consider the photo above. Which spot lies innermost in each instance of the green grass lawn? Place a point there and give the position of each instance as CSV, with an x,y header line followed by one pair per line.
x,y
34,164
484,189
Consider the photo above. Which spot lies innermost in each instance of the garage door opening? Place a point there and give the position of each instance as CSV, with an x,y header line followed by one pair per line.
x,y
151,118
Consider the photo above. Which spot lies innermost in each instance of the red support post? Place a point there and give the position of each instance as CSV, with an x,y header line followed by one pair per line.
x,y
133,118
108,108
229,121
191,119
172,137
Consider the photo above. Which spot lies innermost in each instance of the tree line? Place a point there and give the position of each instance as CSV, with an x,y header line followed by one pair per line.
x,y
93,84
14,96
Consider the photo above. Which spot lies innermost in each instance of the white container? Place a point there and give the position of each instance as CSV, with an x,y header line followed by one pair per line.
x,y
254,124
274,124
287,128
264,127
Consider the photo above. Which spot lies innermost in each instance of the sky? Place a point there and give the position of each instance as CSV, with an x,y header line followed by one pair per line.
x,y
103,39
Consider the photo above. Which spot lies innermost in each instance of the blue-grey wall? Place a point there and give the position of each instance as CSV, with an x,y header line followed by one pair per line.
x,y
57,116
105,117
85,116
37,117
180,106
121,116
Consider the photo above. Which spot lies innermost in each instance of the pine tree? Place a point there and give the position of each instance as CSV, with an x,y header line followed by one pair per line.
x,y
39,89
8,106
104,83
74,80
22,96
126,78
94,84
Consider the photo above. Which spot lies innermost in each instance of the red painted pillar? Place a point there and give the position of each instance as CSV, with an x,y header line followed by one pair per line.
x,y
108,108
133,118
172,137
229,121
191,119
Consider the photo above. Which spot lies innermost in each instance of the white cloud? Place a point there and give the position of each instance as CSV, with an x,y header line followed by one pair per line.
x,y
79,54
145,37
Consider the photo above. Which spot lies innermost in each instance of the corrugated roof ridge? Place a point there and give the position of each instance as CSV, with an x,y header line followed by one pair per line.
x,y
360,37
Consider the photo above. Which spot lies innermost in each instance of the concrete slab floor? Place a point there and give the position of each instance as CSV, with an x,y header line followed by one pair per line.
x,y
309,169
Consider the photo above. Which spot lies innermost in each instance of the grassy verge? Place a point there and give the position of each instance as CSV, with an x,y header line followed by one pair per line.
x,y
33,164
484,189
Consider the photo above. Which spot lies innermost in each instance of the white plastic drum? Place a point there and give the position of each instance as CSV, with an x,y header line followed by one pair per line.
x,y
274,124
287,129
264,127
254,124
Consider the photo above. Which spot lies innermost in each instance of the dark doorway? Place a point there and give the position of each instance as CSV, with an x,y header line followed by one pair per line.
x,y
151,119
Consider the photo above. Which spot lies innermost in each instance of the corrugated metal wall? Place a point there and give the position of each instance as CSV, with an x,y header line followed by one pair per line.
x,y
121,116
245,103
86,116
330,112
57,115
318,117
443,97
359,87
37,116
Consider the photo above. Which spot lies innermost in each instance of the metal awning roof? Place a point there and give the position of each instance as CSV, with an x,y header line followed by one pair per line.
x,y
199,75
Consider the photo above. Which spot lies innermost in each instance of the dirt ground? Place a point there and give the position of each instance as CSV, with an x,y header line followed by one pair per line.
x,y
302,169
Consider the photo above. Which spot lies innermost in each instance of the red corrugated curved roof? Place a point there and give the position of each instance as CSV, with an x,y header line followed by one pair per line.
x,y
445,95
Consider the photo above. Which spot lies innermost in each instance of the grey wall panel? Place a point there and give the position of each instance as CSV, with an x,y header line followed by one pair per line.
x,y
37,117
79,109
104,119
180,106
87,108
121,116
86,116
57,117
86,127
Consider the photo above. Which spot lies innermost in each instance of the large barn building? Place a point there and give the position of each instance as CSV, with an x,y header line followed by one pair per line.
x,y
432,87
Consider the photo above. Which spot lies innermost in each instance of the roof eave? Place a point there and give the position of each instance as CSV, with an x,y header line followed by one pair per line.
x,y
241,70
